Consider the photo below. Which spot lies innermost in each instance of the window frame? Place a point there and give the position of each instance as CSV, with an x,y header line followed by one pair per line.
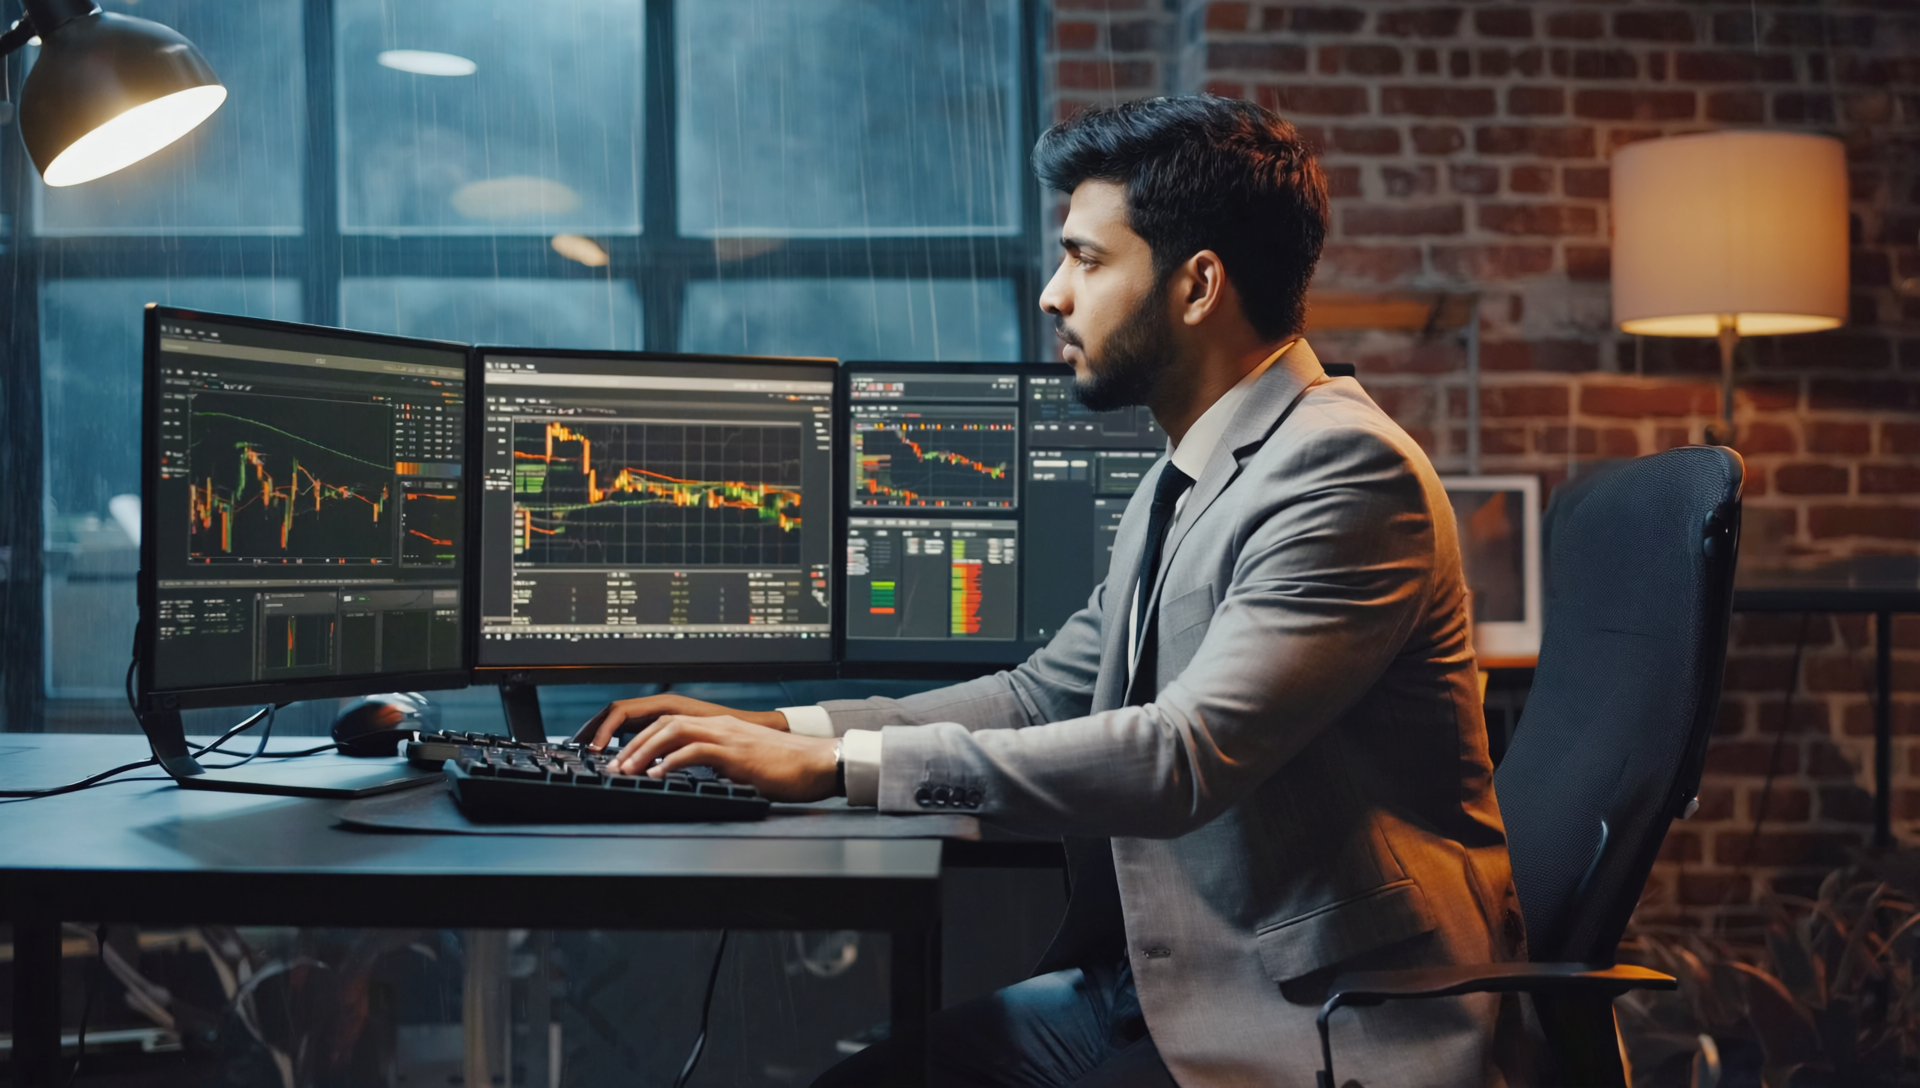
x,y
658,261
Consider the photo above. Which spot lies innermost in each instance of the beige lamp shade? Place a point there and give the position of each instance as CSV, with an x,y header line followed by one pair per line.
x,y
1747,225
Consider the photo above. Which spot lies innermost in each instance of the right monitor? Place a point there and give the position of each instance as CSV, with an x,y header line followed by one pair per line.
x,y
982,503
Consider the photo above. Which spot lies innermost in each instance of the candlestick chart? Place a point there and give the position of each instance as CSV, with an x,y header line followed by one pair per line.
x,y
656,493
915,460
279,479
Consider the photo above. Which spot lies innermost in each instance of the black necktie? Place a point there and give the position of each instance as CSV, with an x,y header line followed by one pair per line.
x,y
1165,495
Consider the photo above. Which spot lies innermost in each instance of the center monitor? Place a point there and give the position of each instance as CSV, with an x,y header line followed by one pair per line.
x,y
982,505
649,516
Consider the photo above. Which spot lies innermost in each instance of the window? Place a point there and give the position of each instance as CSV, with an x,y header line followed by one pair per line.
x,y
835,118
938,319
547,313
541,135
90,399
813,177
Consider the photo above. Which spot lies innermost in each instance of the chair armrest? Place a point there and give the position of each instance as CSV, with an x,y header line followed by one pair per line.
x,y
1363,988
1373,987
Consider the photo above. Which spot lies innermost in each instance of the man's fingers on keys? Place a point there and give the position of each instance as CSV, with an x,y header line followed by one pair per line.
x,y
588,733
667,732
699,754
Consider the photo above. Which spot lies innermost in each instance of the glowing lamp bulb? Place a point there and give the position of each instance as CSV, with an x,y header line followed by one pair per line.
x,y
133,135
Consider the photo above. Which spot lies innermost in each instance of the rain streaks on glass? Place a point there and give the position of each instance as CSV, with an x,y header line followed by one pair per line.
x,y
483,117
849,118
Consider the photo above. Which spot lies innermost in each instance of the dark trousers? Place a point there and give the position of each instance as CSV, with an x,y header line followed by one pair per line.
x,y
1074,1027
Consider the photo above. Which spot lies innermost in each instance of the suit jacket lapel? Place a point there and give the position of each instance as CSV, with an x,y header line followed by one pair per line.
x,y
1267,403
1111,688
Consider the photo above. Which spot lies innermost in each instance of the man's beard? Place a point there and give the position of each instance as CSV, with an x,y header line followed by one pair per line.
x,y
1134,360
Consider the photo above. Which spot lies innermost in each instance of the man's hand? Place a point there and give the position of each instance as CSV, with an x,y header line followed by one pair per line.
x,y
782,766
629,715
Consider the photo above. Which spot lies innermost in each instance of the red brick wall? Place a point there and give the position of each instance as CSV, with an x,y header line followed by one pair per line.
x,y
1468,149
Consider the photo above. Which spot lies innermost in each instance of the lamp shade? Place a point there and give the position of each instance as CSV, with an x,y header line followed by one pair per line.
x,y
1746,225
108,90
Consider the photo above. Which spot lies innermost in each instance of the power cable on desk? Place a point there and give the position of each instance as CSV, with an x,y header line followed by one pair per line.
x,y
247,723
706,1010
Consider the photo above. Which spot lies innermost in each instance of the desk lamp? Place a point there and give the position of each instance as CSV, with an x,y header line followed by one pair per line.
x,y
107,90
1730,234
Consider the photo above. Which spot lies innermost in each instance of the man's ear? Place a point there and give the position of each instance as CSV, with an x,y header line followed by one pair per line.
x,y
1202,283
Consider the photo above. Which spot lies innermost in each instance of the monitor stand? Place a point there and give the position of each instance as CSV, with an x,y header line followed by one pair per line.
x,y
521,704
336,777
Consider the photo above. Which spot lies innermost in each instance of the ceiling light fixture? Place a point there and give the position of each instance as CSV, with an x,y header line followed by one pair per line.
x,y
106,90
422,62
584,250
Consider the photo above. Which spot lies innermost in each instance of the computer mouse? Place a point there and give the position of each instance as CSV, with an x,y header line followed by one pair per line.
x,y
378,724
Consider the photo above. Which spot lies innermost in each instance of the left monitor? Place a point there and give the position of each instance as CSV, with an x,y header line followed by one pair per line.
x,y
304,523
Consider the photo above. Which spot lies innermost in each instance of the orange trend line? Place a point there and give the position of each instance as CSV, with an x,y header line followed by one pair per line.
x,y
432,539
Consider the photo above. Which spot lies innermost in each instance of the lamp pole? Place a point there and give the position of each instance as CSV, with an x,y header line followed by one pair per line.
x,y
1721,432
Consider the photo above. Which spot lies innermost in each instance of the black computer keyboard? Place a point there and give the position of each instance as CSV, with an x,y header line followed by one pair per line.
x,y
566,783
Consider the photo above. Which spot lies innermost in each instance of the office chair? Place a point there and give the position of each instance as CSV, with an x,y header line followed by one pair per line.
x,y
1640,560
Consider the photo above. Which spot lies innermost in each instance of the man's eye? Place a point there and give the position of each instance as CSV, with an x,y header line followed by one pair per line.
x,y
1083,262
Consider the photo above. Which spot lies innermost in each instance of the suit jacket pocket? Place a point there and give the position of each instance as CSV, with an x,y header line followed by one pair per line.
x,y
1340,931
1183,624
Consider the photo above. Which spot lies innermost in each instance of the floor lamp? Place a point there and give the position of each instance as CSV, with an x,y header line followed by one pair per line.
x,y
1730,234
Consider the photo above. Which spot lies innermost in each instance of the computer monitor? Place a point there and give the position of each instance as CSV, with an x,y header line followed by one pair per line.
x,y
982,504
303,529
1499,527
653,517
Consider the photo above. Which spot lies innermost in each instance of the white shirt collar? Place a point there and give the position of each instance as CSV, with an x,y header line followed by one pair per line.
x,y
1191,454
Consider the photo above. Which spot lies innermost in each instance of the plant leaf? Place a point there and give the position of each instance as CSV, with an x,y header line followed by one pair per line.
x,y
1786,1032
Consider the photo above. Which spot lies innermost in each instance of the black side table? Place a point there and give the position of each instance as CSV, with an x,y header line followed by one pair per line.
x,y
1880,586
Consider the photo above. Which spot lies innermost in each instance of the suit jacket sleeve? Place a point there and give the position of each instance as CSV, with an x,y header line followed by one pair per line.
x,y
1056,683
1332,567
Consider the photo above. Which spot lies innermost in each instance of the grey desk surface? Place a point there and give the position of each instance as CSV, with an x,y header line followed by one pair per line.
x,y
146,850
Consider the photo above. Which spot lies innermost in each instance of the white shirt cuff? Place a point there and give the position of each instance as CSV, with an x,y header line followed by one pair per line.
x,y
860,750
808,721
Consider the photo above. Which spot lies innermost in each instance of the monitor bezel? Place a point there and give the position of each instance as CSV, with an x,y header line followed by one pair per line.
x,y
146,639
769,671
945,668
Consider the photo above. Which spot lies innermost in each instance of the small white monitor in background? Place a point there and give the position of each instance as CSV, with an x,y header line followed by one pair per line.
x,y
1499,522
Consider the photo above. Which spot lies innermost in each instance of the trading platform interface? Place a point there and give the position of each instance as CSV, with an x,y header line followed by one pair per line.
x,y
309,505
655,511
983,505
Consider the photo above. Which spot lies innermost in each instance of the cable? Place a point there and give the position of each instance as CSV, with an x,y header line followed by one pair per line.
x,y
86,1004
706,1010
84,783
94,780
265,735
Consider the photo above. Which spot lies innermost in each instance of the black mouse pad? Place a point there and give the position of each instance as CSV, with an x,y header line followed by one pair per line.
x,y
432,811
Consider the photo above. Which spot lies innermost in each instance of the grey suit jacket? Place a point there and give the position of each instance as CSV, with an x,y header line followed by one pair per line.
x,y
1308,789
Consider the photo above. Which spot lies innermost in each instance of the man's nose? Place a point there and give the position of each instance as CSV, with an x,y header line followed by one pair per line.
x,y
1054,299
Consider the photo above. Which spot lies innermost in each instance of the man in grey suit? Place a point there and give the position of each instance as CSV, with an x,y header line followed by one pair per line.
x,y
1262,737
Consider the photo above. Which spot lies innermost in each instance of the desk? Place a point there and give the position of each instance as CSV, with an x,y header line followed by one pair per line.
x,y
148,851
1878,585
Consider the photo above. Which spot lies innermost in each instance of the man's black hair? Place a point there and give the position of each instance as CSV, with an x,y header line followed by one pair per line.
x,y
1202,172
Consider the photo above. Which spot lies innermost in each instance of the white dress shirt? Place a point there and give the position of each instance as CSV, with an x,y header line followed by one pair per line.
x,y
860,748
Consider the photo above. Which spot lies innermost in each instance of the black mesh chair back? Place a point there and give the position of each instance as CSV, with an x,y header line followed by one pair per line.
x,y
1639,568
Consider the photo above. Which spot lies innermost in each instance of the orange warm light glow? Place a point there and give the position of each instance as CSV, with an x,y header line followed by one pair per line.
x,y
1745,226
